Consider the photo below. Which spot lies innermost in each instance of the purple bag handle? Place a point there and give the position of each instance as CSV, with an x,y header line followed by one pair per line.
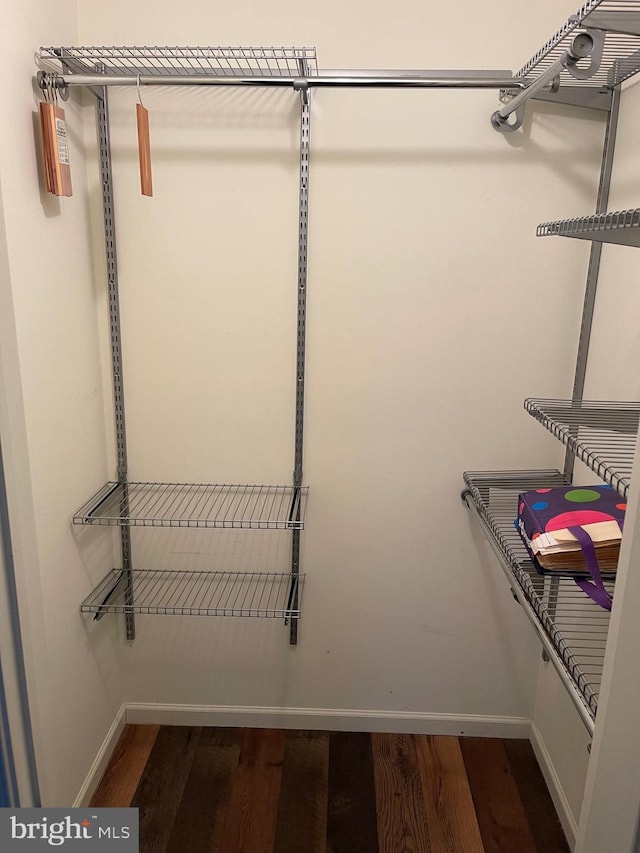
x,y
596,590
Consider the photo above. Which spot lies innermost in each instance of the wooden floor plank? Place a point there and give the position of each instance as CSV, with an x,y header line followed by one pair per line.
x,y
501,816
401,809
253,803
451,817
351,810
302,809
125,768
262,791
203,807
538,805
160,790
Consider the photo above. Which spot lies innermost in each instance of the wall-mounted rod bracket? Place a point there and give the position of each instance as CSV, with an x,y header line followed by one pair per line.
x,y
302,85
506,126
588,43
48,82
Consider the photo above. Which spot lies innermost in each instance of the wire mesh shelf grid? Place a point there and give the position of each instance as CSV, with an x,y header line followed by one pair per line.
x,y
620,57
196,505
602,434
620,226
188,61
576,627
187,593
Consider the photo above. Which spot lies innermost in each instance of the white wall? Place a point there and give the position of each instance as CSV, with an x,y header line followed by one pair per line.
x,y
423,284
51,417
423,267
9,641
424,337
562,743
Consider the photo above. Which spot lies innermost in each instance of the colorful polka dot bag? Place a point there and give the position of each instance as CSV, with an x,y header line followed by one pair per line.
x,y
574,532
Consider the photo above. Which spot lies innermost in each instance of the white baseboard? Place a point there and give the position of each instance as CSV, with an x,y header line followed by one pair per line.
x,y
101,760
567,819
328,719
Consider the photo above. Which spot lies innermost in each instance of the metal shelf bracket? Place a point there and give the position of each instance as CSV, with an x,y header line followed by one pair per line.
x,y
302,85
586,44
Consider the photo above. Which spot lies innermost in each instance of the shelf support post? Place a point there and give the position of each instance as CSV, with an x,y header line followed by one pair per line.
x,y
104,143
303,230
591,287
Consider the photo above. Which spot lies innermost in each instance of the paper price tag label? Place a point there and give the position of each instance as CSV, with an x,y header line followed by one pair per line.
x,y
63,142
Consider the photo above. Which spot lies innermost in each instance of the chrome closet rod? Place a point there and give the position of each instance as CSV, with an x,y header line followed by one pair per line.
x,y
327,81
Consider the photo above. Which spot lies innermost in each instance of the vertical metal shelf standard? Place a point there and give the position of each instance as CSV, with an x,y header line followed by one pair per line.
x,y
593,270
237,594
108,210
303,231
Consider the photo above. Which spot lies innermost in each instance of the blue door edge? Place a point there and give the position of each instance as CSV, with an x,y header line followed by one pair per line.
x,y
9,793
8,778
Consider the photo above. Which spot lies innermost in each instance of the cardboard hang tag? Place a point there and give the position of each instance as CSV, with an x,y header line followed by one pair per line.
x,y
55,146
144,150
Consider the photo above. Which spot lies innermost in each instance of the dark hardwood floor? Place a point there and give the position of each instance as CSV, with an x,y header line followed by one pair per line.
x,y
273,791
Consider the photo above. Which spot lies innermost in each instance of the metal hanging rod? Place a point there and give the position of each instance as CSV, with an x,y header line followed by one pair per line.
x,y
400,80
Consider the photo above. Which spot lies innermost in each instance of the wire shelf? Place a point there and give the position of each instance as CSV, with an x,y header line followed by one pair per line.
x,y
622,227
620,56
196,505
186,593
576,627
603,435
188,61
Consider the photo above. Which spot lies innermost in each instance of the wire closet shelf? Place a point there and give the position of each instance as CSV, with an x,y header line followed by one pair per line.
x,y
573,628
603,435
620,56
200,505
622,227
187,61
190,593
